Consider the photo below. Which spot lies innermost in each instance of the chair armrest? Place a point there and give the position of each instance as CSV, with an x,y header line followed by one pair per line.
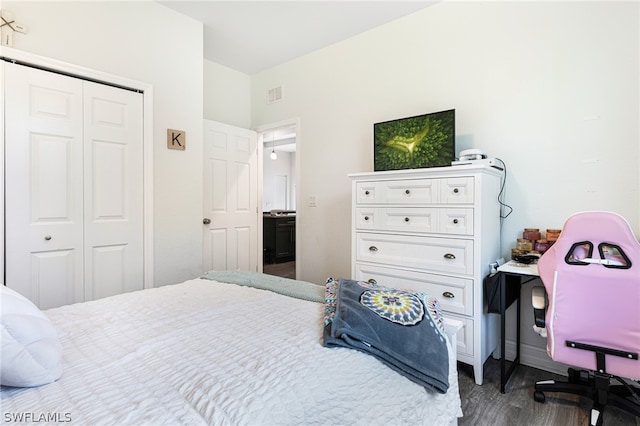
x,y
539,302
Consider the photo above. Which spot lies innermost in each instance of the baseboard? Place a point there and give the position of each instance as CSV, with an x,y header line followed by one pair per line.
x,y
536,357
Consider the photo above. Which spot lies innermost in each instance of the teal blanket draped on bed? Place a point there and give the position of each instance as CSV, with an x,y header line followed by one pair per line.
x,y
294,288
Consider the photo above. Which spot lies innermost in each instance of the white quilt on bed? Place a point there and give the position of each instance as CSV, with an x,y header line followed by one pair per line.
x,y
204,352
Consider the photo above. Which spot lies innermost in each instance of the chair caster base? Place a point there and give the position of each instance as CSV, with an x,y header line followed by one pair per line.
x,y
538,396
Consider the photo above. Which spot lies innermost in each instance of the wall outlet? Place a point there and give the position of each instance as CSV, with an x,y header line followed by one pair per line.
x,y
313,201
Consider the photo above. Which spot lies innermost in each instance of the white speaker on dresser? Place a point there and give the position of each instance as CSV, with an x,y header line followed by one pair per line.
x,y
434,230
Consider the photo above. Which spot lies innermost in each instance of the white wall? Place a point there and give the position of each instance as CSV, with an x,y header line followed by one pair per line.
x,y
551,88
227,95
275,196
147,42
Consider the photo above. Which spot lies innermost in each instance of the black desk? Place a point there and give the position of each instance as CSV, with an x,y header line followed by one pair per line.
x,y
512,276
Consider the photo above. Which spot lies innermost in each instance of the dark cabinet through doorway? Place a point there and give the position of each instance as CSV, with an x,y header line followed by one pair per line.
x,y
279,238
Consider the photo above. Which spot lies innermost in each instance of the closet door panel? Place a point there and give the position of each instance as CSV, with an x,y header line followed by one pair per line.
x,y
43,178
52,191
109,271
113,190
50,277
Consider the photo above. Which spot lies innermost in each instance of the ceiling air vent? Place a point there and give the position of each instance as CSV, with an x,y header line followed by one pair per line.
x,y
274,95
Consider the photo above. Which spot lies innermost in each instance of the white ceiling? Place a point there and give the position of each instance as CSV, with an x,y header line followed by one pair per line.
x,y
252,36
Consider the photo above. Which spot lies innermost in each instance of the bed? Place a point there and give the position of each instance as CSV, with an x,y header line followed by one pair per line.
x,y
223,349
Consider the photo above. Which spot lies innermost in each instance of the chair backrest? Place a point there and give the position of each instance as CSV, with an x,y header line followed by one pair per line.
x,y
592,278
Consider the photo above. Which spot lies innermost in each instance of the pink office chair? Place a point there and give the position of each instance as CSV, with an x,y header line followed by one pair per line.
x,y
592,280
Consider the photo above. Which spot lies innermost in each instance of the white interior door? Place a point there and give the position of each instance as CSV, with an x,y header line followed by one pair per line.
x,y
73,178
43,178
113,196
230,239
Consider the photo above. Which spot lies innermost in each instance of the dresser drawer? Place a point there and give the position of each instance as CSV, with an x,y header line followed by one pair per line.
x,y
465,337
365,192
450,255
415,220
455,294
455,221
397,219
407,192
367,218
457,190
410,191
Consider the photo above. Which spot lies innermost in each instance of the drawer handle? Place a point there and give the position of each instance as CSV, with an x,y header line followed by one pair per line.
x,y
456,190
366,192
366,218
448,295
455,221
407,191
449,256
373,248
406,219
372,281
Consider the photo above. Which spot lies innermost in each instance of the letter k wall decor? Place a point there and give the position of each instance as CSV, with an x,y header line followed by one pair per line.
x,y
176,139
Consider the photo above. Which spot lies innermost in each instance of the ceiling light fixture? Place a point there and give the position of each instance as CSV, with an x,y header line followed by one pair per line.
x,y
273,155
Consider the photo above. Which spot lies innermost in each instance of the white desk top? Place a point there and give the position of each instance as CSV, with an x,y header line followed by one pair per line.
x,y
514,267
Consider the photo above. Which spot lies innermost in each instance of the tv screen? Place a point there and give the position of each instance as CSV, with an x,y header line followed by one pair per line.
x,y
426,140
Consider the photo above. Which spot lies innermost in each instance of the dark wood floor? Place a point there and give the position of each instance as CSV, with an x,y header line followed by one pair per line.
x,y
285,269
485,405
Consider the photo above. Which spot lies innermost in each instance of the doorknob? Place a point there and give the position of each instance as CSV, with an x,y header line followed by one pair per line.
x,y
206,221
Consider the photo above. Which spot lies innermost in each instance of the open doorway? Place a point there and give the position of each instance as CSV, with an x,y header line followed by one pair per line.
x,y
279,198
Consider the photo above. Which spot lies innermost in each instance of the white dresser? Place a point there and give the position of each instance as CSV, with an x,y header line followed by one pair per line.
x,y
435,230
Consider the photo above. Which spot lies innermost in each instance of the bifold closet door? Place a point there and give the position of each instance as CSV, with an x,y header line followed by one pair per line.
x,y
44,186
113,198
73,197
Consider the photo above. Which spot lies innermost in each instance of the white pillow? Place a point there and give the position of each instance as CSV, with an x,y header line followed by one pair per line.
x,y
31,351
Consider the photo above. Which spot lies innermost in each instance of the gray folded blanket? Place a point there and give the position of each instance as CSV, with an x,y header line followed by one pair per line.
x,y
399,328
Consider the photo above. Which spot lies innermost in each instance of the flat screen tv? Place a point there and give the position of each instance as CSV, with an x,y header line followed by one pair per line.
x,y
426,140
